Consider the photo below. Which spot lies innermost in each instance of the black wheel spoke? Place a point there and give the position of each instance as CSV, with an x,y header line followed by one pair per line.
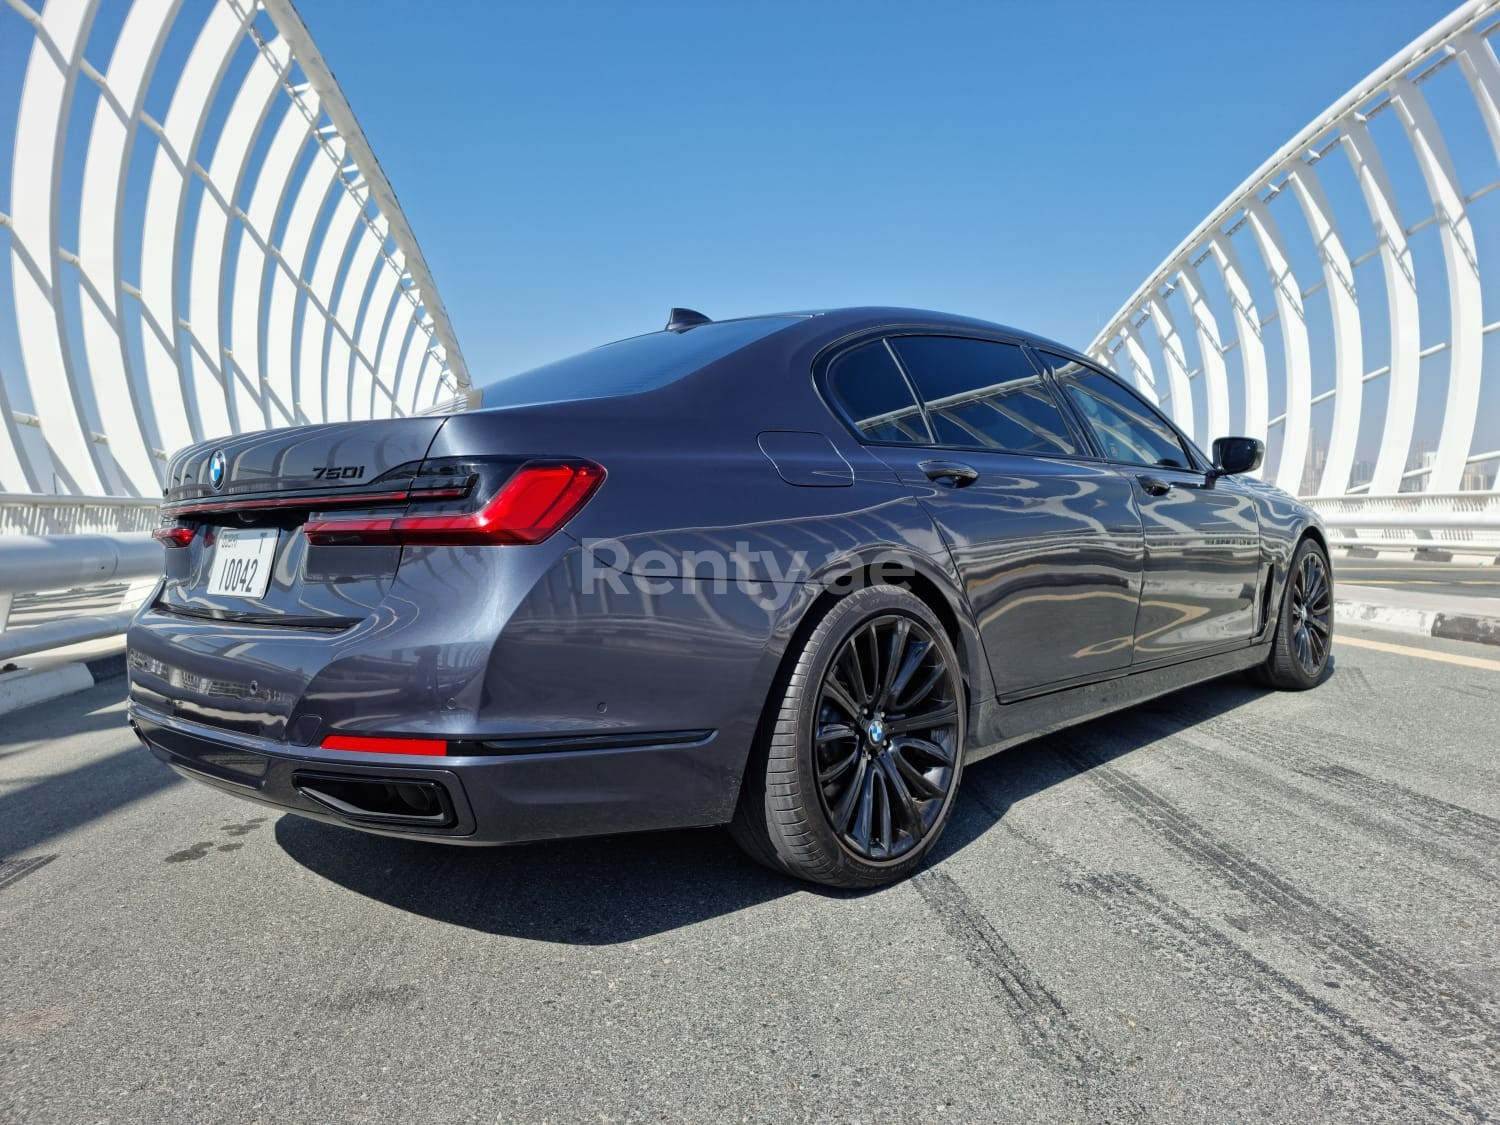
x,y
915,780
892,663
887,829
854,675
925,721
1317,642
916,652
1302,647
841,765
934,750
924,687
839,694
844,812
895,785
865,811
832,732
870,658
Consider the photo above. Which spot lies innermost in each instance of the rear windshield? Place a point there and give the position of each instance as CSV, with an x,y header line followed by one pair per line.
x,y
626,367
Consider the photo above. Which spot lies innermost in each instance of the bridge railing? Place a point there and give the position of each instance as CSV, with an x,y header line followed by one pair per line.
x,y
36,564
1332,304
1458,522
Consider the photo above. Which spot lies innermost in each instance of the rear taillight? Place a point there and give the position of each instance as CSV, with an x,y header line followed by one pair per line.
x,y
532,504
175,535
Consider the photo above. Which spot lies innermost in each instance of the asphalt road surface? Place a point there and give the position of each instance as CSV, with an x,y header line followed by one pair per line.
x,y
1226,905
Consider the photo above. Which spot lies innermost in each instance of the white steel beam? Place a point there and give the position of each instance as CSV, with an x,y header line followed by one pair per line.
x,y
1211,348
210,279
322,80
1140,362
1348,343
252,263
1465,302
1176,364
1247,333
125,407
188,401
1401,301
372,332
1465,38
1477,61
323,348
319,181
1296,348
57,385
347,306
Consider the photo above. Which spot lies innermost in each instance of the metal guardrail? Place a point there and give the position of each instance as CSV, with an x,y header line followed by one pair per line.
x,y
1462,522
32,564
40,513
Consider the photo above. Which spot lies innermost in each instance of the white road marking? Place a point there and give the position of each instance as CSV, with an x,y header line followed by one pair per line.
x,y
1424,654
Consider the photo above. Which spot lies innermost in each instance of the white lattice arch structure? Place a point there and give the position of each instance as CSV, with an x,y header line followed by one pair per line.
x,y
240,260
1261,364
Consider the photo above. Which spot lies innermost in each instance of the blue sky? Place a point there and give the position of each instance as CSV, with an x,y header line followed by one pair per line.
x,y
572,170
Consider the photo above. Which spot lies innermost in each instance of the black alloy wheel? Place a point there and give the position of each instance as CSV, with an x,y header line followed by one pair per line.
x,y
1312,604
860,755
1301,648
886,737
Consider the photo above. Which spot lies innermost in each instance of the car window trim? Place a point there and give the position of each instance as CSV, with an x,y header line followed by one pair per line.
x,y
822,370
1042,374
1197,463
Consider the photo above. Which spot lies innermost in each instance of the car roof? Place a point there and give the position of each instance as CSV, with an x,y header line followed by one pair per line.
x,y
838,322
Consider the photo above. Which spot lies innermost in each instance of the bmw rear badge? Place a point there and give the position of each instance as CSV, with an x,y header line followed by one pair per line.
x,y
217,469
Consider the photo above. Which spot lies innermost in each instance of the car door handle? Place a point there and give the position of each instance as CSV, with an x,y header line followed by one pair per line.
x,y
1155,486
951,473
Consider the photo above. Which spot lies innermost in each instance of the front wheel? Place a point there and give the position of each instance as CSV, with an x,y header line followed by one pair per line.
x,y
854,776
1304,633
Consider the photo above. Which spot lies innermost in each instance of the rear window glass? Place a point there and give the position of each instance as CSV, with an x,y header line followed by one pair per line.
x,y
869,387
627,367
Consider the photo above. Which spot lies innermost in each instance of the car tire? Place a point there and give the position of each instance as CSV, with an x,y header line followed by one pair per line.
x,y
1304,630
854,774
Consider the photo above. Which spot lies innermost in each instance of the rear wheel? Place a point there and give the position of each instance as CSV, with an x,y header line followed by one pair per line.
x,y
1304,633
856,771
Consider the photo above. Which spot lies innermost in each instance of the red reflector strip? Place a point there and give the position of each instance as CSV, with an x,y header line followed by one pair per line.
x,y
428,746
529,508
174,536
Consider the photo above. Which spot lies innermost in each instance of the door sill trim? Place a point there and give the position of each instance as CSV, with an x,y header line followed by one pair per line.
x,y
1128,670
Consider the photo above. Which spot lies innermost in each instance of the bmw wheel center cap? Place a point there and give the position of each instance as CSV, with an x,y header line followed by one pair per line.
x,y
876,731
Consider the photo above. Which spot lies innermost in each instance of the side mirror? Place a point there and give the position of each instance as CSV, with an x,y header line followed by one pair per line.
x,y
1237,455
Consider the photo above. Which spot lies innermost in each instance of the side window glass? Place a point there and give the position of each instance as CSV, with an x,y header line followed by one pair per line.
x,y
984,395
1126,428
868,386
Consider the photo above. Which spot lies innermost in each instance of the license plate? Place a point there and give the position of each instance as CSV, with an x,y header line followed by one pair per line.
x,y
242,562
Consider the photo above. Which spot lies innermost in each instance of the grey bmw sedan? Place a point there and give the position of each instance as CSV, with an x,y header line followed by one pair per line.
x,y
786,573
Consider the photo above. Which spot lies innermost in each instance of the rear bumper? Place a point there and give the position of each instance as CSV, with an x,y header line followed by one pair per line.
x,y
539,793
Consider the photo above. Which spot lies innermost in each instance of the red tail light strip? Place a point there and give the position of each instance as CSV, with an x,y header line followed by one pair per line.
x,y
533,504
174,536
431,747
317,503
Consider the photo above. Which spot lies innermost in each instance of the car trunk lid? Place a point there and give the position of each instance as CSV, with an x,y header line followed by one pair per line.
x,y
237,508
